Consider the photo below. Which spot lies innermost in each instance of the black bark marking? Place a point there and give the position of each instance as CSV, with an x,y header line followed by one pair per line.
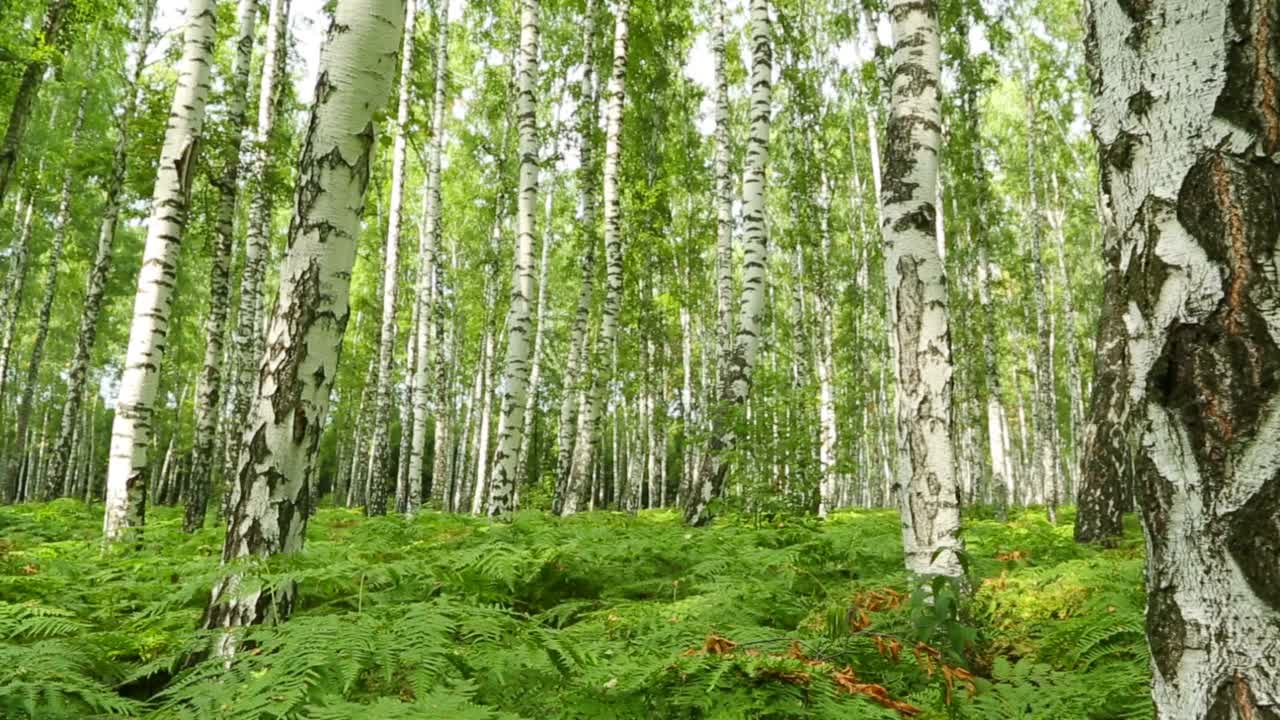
x,y
1119,154
1250,97
1234,700
1140,102
1253,539
1166,630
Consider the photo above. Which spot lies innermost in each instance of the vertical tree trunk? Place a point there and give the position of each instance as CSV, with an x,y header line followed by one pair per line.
x,y
379,456
250,316
97,283
723,198
55,18
735,384
442,476
1075,387
268,505
484,410
427,295
15,283
46,306
576,378
148,332
926,483
589,418
997,419
1191,166
209,383
515,382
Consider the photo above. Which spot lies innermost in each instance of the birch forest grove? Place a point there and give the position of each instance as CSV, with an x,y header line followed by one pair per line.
x,y
630,359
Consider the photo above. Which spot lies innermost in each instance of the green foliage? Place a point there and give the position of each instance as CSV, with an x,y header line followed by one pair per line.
x,y
601,615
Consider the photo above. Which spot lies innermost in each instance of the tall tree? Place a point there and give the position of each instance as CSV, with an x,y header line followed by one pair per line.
x,y
56,15
91,309
270,495
209,383
15,283
148,333
917,283
735,384
723,196
379,455
515,382
1190,149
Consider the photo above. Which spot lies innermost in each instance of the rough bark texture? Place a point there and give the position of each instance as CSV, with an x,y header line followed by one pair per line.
x,y
723,198
593,405
56,15
927,492
379,454
576,377
209,383
539,333
735,382
1188,120
269,499
148,333
515,382
428,268
77,375
248,330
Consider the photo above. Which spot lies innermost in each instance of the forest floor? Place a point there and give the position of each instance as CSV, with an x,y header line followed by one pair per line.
x,y
603,615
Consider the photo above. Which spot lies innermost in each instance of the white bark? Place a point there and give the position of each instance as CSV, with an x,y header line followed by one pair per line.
x,y
917,285
1188,123
723,197
148,333
269,499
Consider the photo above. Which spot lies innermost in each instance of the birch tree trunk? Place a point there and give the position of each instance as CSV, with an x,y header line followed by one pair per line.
x,y
379,456
575,380
46,305
1188,121
95,290
55,18
735,384
592,409
515,382
209,383
15,283
927,491
427,295
724,198
249,318
148,333
997,419
268,504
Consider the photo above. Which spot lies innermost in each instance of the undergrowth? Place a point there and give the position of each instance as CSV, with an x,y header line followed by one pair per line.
x,y
599,616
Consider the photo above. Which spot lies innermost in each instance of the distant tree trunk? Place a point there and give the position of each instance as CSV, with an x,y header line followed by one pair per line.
x,y
1075,388
824,364
379,456
56,15
247,335
148,332
576,377
515,382
735,384
723,199
15,283
589,417
927,491
427,292
46,306
357,64
209,384
997,419
60,463
442,476
1190,150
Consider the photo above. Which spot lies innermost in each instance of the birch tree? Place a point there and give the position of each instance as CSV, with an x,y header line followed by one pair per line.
x,y
379,456
270,495
927,490
1188,123
95,290
724,196
209,383
128,462
735,384
56,16
515,382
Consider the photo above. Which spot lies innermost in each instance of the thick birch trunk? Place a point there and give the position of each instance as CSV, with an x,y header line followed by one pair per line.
x,y
589,416
427,295
515,382
209,383
735,384
1188,121
55,18
250,315
148,333
723,198
46,305
268,504
927,492
97,284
